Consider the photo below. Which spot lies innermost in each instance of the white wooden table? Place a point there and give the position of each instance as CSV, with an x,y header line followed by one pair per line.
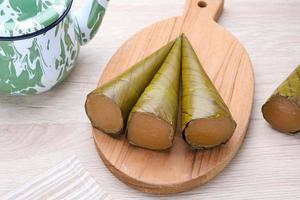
x,y
39,131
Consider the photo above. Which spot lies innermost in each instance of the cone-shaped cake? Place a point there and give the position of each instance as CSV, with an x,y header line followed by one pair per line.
x,y
109,105
152,122
206,120
282,110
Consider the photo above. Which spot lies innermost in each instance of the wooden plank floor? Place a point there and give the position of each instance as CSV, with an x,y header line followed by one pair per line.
x,y
39,131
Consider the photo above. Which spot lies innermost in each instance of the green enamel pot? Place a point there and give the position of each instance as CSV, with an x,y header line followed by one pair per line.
x,y
40,41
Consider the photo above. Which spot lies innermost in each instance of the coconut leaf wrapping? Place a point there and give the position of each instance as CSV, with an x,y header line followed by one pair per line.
x,y
109,105
152,122
206,120
282,110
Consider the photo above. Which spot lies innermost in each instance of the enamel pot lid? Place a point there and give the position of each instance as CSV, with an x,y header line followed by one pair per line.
x,y
25,18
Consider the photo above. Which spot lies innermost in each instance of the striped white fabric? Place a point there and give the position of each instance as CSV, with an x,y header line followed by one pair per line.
x,y
67,181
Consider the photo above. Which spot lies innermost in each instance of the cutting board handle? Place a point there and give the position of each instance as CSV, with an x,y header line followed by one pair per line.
x,y
209,8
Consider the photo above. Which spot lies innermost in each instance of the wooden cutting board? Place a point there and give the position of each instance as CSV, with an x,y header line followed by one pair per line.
x,y
228,65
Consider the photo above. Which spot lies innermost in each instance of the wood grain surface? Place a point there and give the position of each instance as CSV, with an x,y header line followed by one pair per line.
x,y
38,132
228,65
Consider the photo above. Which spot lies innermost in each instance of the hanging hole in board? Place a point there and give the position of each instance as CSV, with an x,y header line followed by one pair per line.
x,y
202,4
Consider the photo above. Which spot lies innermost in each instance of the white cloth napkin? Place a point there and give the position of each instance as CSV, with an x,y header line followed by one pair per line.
x,y
68,180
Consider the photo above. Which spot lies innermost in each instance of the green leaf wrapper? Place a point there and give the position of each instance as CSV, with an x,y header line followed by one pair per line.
x,y
160,98
282,109
200,99
290,88
125,89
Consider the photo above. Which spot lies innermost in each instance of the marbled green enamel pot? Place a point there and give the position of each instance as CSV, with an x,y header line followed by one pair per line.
x,y
40,41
